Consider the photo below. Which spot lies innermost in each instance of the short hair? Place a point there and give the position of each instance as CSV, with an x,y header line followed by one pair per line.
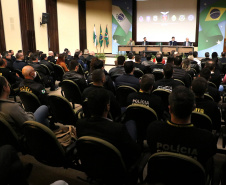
x,y
5,54
43,56
223,54
97,102
73,64
10,50
3,82
159,58
128,66
76,55
205,73
214,55
173,37
121,60
147,82
18,55
2,61
130,55
207,54
177,60
181,101
168,71
170,59
149,56
195,54
199,86
97,75
34,57
137,58
186,64
20,51
210,64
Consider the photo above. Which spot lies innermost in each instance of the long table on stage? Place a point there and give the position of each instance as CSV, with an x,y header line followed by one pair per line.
x,y
156,48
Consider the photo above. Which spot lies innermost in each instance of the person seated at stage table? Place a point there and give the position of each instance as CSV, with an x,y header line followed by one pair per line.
x,y
173,42
131,42
145,42
187,42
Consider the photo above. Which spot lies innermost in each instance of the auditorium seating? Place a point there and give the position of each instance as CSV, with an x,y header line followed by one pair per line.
x,y
122,92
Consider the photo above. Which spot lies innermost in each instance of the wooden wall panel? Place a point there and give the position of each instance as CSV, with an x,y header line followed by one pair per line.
x,y
53,39
27,25
2,34
82,24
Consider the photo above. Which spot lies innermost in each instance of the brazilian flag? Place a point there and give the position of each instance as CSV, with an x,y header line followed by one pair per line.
x,y
209,19
101,37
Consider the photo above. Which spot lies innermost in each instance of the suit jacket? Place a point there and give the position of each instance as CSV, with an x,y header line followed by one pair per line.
x,y
189,43
129,43
147,43
173,43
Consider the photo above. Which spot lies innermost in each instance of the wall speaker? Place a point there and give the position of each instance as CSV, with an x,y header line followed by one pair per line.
x,y
45,18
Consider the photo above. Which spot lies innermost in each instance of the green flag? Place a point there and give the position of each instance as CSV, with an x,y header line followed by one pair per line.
x,y
95,37
101,37
106,37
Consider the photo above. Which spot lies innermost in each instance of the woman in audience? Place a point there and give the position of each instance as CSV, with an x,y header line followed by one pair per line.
x,y
186,65
61,62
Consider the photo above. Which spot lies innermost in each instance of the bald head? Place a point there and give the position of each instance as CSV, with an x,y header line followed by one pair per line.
x,y
28,72
50,53
92,53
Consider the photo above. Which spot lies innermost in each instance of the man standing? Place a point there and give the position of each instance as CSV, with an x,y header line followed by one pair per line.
x,y
173,42
187,42
145,42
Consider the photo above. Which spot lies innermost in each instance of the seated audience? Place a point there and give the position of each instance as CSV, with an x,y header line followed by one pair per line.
x,y
170,59
223,58
179,135
145,97
28,84
195,55
7,57
148,62
99,125
208,107
207,57
20,62
167,83
186,65
61,62
163,60
128,79
130,57
138,64
44,60
77,56
98,78
159,65
89,58
51,57
119,69
15,114
11,52
75,76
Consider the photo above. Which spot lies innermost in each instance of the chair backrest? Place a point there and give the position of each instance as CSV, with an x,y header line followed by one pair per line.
x,y
138,73
122,93
39,79
71,91
158,75
30,101
7,134
42,143
182,83
80,69
164,95
174,169
212,84
101,160
143,116
201,120
208,97
62,110
58,72
19,72
46,68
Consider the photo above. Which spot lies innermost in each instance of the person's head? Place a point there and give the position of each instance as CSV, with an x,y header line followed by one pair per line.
x,y
223,54
61,58
159,58
146,82
29,72
6,55
205,73
214,55
43,57
190,57
3,62
4,88
98,103
96,64
98,77
130,39
177,60
138,58
20,56
210,64
92,53
168,71
86,51
34,58
129,67
20,51
181,103
186,65
145,39
12,52
149,56
187,39
121,60
199,86
170,59
66,50
195,54
130,56
77,54
207,54
173,38
74,65
50,53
